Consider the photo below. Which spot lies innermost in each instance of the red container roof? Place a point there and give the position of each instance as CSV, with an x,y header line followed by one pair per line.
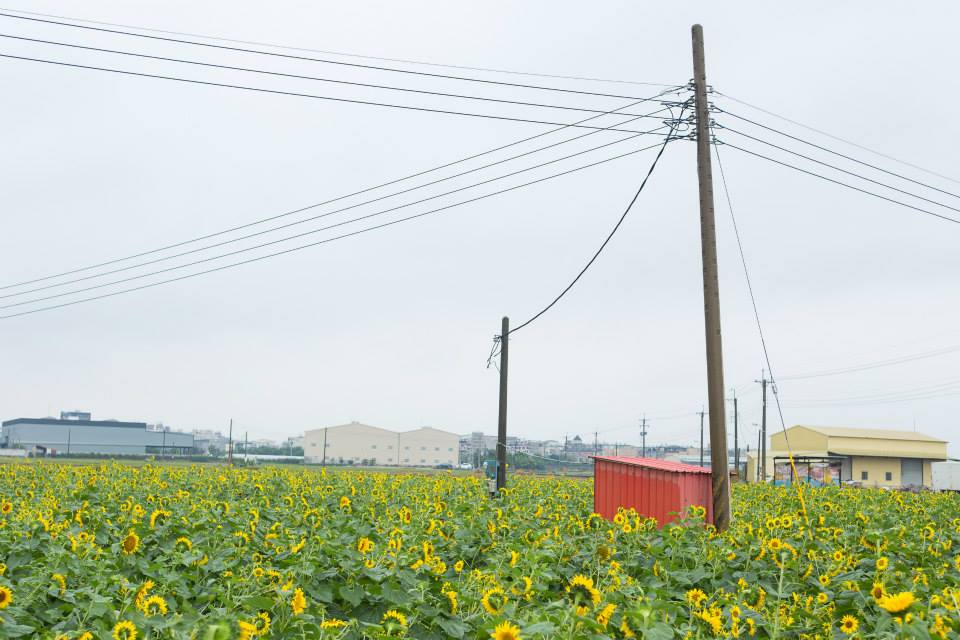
x,y
654,463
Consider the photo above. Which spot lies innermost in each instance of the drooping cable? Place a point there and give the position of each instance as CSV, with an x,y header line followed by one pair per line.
x,y
606,240
763,340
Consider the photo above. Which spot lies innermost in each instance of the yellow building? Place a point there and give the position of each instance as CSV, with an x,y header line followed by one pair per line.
x,y
869,457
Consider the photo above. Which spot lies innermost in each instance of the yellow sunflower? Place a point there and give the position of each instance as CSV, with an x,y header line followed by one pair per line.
x,y
154,605
394,617
124,630
262,623
6,597
493,600
585,595
298,603
506,631
897,602
130,544
333,623
247,630
849,624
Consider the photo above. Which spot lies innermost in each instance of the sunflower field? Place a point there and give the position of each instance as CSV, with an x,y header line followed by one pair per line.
x,y
214,553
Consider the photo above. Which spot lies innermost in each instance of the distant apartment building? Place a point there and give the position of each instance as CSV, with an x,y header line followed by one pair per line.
x,y
358,443
206,441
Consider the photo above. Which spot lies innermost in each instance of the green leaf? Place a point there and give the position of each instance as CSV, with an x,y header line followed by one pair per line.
x,y
352,594
258,602
453,628
543,628
395,595
16,630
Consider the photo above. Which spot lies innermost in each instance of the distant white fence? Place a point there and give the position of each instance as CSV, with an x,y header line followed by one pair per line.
x,y
13,453
263,457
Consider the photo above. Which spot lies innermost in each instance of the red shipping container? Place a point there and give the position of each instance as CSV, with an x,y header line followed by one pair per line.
x,y
655,488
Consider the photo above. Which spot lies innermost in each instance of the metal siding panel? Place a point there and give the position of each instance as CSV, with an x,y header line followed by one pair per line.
x,y
653,490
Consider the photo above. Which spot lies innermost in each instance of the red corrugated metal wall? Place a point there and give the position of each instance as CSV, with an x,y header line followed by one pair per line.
x,y
654,493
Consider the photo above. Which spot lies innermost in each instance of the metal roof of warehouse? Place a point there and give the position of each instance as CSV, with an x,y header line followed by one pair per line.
x,y
876,434
75,423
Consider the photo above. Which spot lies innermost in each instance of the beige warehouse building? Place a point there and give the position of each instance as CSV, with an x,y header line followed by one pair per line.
x,y
358,443
870,457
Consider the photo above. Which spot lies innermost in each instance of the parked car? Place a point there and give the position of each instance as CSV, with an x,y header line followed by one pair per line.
x,y
466,465
444,466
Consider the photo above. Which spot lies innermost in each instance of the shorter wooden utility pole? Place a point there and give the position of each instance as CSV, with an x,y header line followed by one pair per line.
x,y
502,415
643,436
736,445
763,428
230,444
701,437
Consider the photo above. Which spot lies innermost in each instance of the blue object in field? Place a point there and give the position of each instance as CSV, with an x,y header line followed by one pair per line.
x,y
490,468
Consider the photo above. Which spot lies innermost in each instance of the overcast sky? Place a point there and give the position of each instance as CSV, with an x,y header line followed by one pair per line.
x,y
393,327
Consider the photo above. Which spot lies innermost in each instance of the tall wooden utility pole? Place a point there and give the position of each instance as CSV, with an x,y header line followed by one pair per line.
x,y
502,416
711,293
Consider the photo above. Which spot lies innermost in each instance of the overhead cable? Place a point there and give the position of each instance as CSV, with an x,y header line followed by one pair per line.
x,y
842,184
838,138
840,169
314,78
340,53
156,76
874,365
836,153
325,202
753,303
325,240
305,220
321,60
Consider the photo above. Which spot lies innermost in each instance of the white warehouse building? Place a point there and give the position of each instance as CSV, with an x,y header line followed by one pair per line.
x,y
358,443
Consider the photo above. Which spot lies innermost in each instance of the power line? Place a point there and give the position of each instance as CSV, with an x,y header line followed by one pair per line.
x,y
842,170
322,60
324,241
329,213
900,400
294,93
319,204
842,184
874,365
607,239
314,78
886,394
830,135
340,53
756,315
